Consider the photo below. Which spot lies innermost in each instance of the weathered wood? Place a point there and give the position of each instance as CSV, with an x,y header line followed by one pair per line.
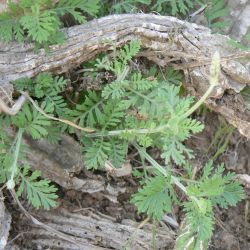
x,y
164,40
5,221
167,36
95,232
61,162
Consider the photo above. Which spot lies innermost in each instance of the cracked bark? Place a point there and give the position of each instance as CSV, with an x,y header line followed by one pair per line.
x,y
165,40
96,232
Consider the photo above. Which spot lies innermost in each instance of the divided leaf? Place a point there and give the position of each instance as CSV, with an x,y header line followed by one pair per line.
x,y
96,154
39,191
155,198
40,25
33,121
199,215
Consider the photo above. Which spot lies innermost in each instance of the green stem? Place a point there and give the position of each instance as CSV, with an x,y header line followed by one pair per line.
x,y
157,129
161,169
11,183
132,131
200,102
214,81
123,75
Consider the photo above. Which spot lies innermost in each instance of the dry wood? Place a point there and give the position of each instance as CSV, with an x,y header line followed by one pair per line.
x,y
96,231
164,40
5,220
60,162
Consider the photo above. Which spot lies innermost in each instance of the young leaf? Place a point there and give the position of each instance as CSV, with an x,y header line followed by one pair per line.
x,y
33,121
39,192
199,216
96,154
155,198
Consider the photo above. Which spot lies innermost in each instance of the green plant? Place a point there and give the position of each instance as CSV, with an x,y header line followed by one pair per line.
x,y
176,6
134,108
149,113
215,12
165,125
41,21
14,166
172,7
15,169
131,110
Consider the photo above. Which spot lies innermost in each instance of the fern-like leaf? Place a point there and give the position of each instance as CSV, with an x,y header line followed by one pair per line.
x,y
155,198
39,192
10,28
40,25
233,191
96,154
115,90
86,114
199,216
176,151
222,190
122,57
118,152
113,112
72,7
32,121
215,12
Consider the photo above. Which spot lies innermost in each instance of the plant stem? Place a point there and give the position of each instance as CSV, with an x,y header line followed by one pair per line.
x,y
160,128
200,102
132,131
161,169
214,81
11,183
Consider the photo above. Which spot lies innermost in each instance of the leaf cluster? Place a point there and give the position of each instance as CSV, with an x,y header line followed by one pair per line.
x,y
161,6
39,192
212,189
133,107
40,21
214,11
47,90
131,110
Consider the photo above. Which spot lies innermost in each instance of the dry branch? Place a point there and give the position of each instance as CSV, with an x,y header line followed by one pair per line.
x,y
165,40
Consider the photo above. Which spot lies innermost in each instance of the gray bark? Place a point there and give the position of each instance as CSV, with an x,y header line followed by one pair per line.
x,y
5,221
165,40
93,231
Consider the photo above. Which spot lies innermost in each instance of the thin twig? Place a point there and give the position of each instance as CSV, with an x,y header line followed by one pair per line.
x,y
15,108
89,130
